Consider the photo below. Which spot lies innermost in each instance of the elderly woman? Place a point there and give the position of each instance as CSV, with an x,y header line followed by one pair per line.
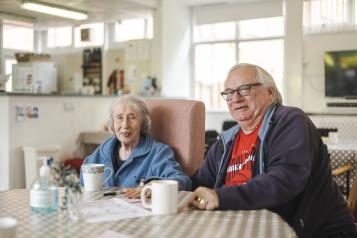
x,y
134,155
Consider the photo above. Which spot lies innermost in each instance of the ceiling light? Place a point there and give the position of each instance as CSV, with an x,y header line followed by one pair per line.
x,y
53,10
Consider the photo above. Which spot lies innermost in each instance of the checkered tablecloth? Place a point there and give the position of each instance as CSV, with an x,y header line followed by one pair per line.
x,y
187,223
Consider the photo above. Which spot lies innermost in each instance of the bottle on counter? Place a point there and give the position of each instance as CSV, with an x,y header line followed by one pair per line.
x,y
44,190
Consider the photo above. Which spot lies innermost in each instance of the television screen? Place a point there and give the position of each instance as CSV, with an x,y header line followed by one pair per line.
x,y
341,74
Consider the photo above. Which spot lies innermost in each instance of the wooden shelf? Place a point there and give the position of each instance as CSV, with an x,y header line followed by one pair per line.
x,y
92,68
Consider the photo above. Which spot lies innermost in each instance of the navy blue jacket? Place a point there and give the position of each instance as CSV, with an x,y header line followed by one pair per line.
x,y
291,175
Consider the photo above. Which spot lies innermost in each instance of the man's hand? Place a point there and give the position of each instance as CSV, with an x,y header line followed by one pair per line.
x,y
204,198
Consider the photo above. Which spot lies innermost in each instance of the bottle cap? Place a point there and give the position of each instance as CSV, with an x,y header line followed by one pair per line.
x,y
44,170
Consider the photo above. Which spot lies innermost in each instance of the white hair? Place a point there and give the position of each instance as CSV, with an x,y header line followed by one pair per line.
x,y
262,76
141,106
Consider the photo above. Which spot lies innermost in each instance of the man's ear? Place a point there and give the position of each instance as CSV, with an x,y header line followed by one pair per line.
x,y
271,91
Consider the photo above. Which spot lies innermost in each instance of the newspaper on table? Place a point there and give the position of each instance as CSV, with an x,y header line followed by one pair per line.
x,y
111,210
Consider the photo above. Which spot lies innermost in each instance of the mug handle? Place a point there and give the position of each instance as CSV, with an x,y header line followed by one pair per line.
x,y
145,203
111,173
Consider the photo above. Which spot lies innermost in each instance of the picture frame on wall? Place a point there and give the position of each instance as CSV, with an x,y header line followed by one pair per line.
x,y
85,34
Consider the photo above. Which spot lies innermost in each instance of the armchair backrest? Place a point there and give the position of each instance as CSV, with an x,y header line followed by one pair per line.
x,y
181,124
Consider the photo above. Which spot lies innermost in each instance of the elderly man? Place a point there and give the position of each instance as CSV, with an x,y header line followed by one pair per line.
x,y
272,159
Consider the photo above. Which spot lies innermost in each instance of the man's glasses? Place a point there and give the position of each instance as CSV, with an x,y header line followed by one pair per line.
x,y
242,91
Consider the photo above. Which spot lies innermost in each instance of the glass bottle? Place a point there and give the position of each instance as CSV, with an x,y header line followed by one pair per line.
x,y
44,190
74,199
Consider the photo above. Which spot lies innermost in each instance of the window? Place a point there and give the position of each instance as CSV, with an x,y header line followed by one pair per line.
x,y
134,29
212,62
215,32
260,52
219,46
18,35
89,35
355,13
59,37
329,15
260,28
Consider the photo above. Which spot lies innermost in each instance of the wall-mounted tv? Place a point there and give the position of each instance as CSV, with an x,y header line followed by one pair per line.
x,y
341,74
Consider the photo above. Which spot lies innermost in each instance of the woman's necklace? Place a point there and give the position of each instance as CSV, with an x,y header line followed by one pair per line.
x,y
124,153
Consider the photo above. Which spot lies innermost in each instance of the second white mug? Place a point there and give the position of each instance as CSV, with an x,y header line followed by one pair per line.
x,y
8,227
93,176
163,196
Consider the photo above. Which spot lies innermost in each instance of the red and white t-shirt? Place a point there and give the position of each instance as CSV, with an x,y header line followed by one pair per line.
x,y
239,169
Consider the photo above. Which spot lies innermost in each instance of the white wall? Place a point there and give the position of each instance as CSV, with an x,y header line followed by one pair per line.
x,y
69,65
156,46
293,47
60,121
236,12
175,42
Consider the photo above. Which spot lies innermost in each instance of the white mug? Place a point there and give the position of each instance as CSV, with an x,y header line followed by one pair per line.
x,y
8,227
93,176
163,196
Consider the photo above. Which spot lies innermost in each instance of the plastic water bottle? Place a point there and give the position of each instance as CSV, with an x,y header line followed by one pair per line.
x,y
44,191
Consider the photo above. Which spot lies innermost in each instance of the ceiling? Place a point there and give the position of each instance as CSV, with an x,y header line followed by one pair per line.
x,y
98,10
216,2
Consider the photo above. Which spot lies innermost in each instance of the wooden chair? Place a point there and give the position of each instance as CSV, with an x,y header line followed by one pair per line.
x,y
352,200
350,194
343,164
344,170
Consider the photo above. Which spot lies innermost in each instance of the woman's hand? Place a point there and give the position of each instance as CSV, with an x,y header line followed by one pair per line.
x,y
204,198
135,192
132,192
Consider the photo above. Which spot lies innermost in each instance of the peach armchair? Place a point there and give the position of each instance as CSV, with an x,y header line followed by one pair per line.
x,y
181,124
